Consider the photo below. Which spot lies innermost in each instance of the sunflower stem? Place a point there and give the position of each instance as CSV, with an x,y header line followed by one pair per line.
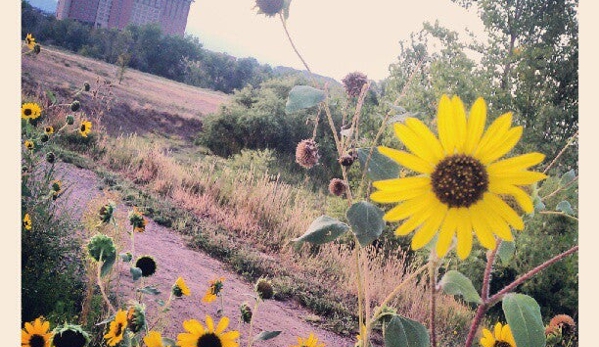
x,y
99,279
574,180
559,214
570,140
254,312
432,270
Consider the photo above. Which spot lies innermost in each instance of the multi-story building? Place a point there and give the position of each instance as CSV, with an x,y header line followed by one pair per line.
x,y
170,14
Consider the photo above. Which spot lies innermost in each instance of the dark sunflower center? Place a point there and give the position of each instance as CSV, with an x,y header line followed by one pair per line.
x,y
118,330
501,344
146,265
459,180
209,340
82,127
28,112
37,341
69,339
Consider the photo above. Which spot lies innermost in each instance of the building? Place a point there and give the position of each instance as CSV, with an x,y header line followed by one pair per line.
x,y
170,14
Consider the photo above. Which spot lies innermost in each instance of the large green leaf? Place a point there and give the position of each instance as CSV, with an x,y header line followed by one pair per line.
x,y
523,314
455,283
565,207
366,221
266,335
324,229
567,177
380,167
107,265
506,251
403,332
149,290
301,97
135,272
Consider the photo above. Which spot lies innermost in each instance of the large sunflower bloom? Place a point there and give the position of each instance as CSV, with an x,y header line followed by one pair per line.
x,y
116,331
501,336
460,180
311,341
30,110
36,334
209,336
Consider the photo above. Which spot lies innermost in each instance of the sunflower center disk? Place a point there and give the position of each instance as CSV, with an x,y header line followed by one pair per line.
x,y
37,341
209,340
28,112
459,180
502,344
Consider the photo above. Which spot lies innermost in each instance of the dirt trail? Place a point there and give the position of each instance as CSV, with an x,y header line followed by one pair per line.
x,y
175,259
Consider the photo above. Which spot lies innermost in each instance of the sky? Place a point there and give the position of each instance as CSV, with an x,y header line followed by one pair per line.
x,y
335,37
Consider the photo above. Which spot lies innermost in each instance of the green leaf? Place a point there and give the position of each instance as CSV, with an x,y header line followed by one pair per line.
x,y
403,332
266,335
160,302
455,283
380,167
366,221
126,257
301,97
107,265
51,96
149,290
322,230
523,314
538,203
168,342
506,251
565,207
567,177
135,273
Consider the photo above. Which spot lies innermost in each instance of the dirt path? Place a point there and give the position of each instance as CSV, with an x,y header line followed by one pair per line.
x,y
175,259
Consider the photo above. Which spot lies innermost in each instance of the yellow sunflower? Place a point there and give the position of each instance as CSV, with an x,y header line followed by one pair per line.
x,y
36,334
213,291
198,336
459,182
29,145
180,288
85,128
501,337
153,339
27,222
116,331
311,341
30,41
49,130
30,110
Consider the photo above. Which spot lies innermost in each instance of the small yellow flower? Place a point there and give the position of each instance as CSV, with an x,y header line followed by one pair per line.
x,y
116,331
30,110
85,128
460,181
30,41
199,336
36,334
29,145
49,130
311,341
27,222
213,291
180,288
501,337
153,339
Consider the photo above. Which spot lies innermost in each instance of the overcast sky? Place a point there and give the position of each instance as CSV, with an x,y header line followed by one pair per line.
x,y
334,36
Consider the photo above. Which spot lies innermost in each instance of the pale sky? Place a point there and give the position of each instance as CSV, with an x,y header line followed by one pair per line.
x,y
334,36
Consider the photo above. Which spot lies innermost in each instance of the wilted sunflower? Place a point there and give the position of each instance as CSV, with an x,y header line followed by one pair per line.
x,y
30,41
49,130
36,334
311,341
85,128
460,180
270,7
214,290
137,220
117,327
180,288
501,337
153,339
27,222
209,336
70,336
30,110
353,83
306,153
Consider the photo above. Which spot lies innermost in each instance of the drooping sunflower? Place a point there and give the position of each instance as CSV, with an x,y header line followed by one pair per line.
x,y
311,341
36,334
501,337
153,339
209,336
116,330
70,335
214,290
30,110
180,288
30,41
460,180
27,222
85,128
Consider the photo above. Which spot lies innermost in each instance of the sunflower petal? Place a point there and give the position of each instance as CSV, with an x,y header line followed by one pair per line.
x,y
459,122
500,148
193,326
481,228
413,222
522,178
222,325
497,330
497,224
409,208
406,159
448,229
494,134
385,196
430,227
464,233
415,144
209,324
523,199
518,163
402,184
426,136
444,125
504,211
476,125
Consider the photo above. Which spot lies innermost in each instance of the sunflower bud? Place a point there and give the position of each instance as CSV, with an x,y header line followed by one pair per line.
x,y
306,153
353,83
136,318
70,119
86,86
101,247
50,157
106,212
337,187
69,335
264,289
246,312
270,7
37,48
75,106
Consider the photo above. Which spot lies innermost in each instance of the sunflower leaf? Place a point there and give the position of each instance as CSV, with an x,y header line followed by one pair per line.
x,y
266,335
380,167
149,290
126,257
322,230
567,177
107,265
523,315
135,272
366,221
455,283
301,97
160,302
565,207
51,96
538,203
506,251
403,332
